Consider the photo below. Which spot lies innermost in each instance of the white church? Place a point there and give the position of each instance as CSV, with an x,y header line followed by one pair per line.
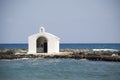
x,y
43,42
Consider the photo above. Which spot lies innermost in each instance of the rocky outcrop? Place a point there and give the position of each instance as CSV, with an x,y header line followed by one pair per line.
x,y
64,53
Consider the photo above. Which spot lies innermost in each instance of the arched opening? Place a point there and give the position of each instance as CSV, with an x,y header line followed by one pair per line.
x,y
41,45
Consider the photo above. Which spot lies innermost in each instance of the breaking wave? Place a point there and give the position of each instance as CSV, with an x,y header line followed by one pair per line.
x,y
104,49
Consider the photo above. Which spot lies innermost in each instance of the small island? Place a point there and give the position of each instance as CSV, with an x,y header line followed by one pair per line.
x,y
96,55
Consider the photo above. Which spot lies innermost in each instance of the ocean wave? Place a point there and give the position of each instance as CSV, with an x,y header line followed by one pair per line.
x,y
104,49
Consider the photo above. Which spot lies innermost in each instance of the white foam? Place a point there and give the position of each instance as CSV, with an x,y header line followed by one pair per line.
x,y
104,50
24,58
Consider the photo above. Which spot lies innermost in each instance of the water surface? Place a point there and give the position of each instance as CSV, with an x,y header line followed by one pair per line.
x,y
58,69
115,46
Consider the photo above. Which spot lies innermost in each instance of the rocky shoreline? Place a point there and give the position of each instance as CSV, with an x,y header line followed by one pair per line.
x,y
96,55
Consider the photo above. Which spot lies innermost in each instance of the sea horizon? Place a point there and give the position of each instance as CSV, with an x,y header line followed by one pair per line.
x,y
68,43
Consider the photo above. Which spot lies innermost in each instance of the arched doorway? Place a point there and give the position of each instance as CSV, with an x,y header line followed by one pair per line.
x,y
41,45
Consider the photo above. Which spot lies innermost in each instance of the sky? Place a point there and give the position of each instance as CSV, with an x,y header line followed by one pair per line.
x,y
73,21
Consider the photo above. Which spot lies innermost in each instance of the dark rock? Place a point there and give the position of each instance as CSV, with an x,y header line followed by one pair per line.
x,y
75,53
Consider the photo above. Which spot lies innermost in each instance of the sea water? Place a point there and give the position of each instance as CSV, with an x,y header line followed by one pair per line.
x,y
58,69
69,45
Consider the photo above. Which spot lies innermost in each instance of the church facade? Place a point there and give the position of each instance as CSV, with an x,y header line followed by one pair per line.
x,y
43,42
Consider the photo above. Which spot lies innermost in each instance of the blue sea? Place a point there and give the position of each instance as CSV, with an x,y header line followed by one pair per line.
x,y
59,69
115,46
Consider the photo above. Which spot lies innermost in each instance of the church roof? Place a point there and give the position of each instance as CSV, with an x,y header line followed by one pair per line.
x,y
43,33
